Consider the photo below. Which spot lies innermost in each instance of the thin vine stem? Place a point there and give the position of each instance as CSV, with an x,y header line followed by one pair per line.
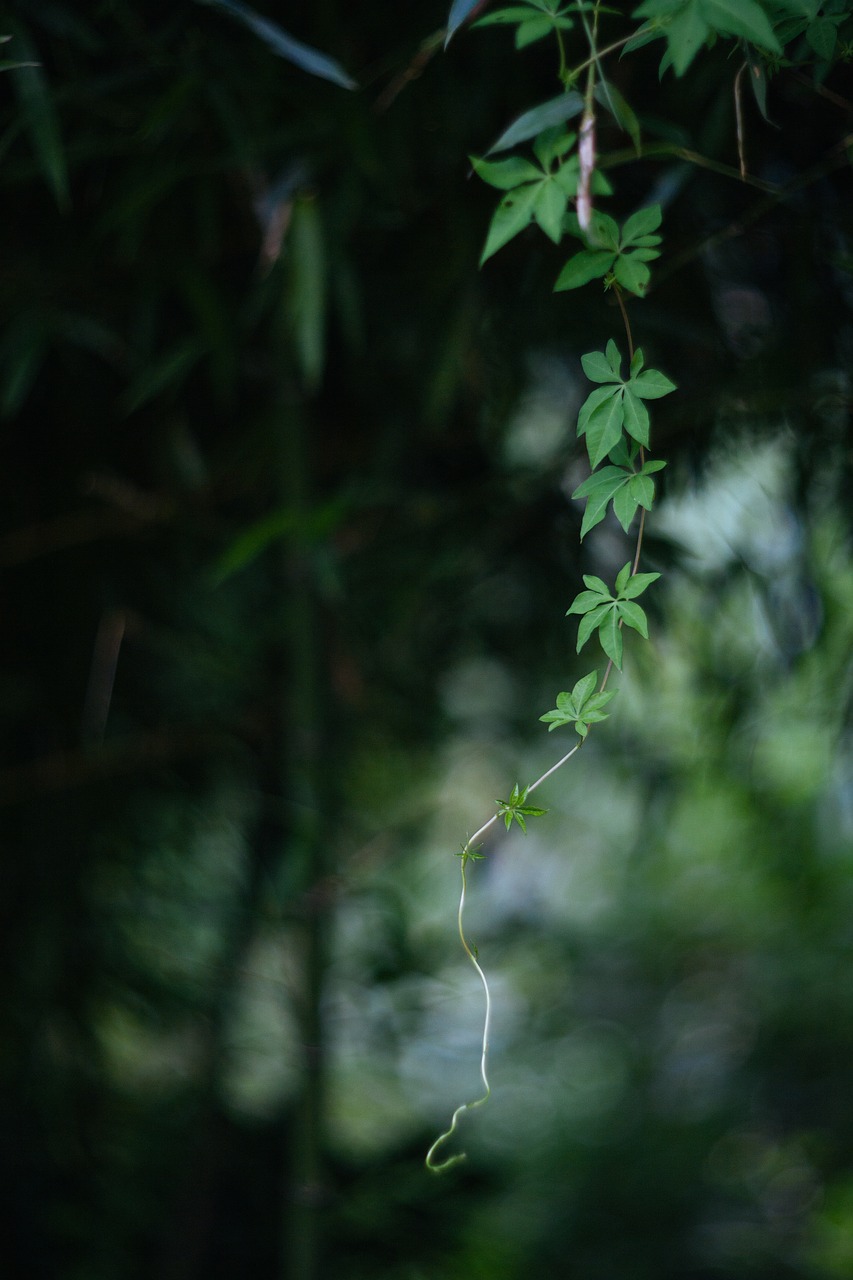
x,y
468,852
431,1163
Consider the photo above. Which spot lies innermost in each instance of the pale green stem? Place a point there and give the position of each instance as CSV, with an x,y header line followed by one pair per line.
x,y
444,1165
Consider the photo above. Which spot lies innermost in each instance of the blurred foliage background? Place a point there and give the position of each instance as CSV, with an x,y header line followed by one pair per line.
x,y
286,547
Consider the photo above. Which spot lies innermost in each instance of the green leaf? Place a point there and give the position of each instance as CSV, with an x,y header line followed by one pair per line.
x,y
308,289
633,616
504,17
583,267
685,29
513,214
600,489
532,122
742,18
284,45
596,702
642,490
549,210
592,402
614,358
651,465
532,30
598,367
636,417
40,119
632,274
551,144
603,231
651,385
641,223
623,577
603,428
584,689
610,637
822,35
609,97
637,585
586,601
506,174
169,371
596,584
625,507
590,622
460,11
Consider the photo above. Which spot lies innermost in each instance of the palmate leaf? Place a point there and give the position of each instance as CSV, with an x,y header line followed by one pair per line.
x,y
516,809
687,24
582,707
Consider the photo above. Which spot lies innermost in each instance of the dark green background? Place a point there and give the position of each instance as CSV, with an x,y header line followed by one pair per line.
x,y
283,598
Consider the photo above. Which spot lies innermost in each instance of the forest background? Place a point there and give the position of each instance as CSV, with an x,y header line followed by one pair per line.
x,y
287,544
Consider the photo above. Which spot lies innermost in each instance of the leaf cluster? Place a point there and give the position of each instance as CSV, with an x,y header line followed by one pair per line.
x,y
535,193
516,808
582,707
600,611
610,253
617,405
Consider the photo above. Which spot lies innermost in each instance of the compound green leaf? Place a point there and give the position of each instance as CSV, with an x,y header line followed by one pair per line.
x,y
685,29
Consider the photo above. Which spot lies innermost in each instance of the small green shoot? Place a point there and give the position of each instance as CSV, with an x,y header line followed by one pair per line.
x,y
515,809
